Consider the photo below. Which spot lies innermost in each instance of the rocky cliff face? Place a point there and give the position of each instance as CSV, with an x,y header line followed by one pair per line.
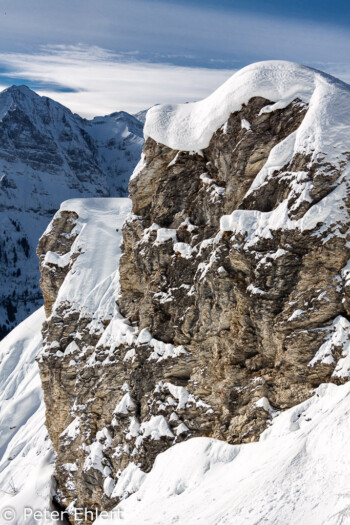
x,y
252,311
233,301
48,155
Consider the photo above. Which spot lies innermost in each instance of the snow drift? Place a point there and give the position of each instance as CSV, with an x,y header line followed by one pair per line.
x,y
189,127
298,473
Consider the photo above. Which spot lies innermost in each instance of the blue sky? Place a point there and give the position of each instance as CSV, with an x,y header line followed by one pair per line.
x,y
98,56
316,10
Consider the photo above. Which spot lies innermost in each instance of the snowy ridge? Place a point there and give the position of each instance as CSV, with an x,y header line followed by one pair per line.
x,y
98,245
189,127
299,472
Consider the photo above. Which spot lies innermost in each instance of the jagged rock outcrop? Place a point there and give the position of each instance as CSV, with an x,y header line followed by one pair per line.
x,y
48,155
252,315
233,302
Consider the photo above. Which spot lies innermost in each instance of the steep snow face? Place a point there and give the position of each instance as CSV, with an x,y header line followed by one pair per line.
x,y
326,129
26,455
48,155
297,473
89,287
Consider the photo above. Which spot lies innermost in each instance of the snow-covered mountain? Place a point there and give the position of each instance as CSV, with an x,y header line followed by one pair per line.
x,y
230,305
198,372
47,155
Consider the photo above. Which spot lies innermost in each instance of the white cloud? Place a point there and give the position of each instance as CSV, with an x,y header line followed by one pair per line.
x,y
104,82
101,81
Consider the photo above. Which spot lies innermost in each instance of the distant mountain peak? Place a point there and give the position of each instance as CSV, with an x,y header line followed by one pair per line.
x,y
21,91
48,155
22,88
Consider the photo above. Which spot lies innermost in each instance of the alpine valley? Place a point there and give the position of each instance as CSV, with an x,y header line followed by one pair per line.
x,y
191,361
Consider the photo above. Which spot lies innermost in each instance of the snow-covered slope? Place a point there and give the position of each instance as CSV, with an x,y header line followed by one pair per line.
x,y
298,473
92,279
48,155
26,455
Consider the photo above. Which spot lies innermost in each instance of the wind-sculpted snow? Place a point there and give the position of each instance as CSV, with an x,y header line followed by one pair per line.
x,y
299,472
189,127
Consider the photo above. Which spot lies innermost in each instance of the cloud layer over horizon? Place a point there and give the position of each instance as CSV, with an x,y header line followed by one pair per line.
x,y
92,81
97,58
